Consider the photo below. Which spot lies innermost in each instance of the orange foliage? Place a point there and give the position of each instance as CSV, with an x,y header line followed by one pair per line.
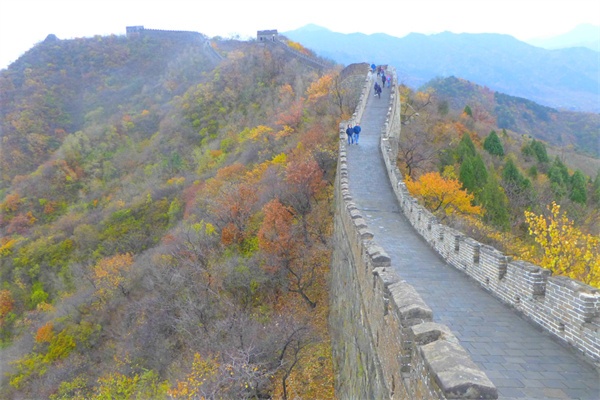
x,y
11,203
6,303
442,196
45,333
275,233
109,273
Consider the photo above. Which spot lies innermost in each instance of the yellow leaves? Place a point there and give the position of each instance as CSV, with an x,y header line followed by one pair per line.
x,y
564,248
259,133
177,180
442,195
6,246
204,227
202,370
320,88
108,274
279,159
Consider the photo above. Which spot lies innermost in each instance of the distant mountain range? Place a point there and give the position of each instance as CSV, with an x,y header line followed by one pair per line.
x,y
565,78
585,35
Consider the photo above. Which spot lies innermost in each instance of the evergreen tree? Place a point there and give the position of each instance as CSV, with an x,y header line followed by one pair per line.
x,y
466,148
493,145
466,174
511,174
494,201
539,150
596,191
468,111
558,174
578,188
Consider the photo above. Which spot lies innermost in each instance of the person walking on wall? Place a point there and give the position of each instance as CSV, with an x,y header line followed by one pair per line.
x,y
382,79
350,133
356,133
377,89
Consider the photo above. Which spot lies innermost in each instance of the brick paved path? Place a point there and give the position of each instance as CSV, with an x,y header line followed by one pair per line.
x,y
520,359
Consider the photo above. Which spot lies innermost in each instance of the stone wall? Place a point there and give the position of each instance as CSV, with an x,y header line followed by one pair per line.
x,y
568,309
385,344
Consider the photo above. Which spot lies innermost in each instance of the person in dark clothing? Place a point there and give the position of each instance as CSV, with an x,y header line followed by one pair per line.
x,y
356,133
383,79
350,133
377,89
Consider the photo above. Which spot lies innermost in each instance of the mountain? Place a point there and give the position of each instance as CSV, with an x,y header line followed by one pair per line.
x,y
150,186
585,35
565,78
559,128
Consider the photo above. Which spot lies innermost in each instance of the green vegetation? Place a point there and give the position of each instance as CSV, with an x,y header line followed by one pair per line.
x,y
166,220
530,201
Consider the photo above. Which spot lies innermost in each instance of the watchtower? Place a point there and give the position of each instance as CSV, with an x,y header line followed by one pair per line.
x,y
133,31
267,36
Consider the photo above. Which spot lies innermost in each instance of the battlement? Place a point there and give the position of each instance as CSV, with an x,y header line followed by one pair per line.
x,y
568,309
139,31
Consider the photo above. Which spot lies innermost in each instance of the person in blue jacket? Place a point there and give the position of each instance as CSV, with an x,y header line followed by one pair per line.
x,y
350,133
356,133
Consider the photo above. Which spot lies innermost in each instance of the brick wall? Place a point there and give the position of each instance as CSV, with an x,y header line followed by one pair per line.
x,y
385,344
568,309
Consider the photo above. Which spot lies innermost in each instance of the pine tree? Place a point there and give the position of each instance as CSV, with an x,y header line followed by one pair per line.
x,y
466,148
511,174
578,188
468,111
539,149
493,145
494,201
596,191
559,178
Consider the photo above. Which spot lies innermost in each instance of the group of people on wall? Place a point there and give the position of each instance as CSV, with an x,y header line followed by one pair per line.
x,y
353,133
386,79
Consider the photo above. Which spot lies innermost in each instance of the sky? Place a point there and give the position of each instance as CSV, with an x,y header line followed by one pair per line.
x,y
23,23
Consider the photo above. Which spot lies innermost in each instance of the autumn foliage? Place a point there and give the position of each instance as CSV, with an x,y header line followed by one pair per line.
x,y
563,248
443,196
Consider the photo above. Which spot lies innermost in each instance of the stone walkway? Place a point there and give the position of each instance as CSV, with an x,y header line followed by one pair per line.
x,y
519,358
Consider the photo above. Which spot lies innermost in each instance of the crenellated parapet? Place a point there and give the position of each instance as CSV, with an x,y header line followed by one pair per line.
x,y
385,343
568,309
140,31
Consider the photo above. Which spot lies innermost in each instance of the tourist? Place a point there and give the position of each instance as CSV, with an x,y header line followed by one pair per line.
x,y
350,133
356,133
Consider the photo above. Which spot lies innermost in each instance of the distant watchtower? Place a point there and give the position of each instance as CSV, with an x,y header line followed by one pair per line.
x,y
133,31
267,36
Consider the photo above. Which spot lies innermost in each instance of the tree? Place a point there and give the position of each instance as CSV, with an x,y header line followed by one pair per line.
x,y
466,148
558,174
495,203
419,145
442,196
493,145
467,111
596,191
473,174
578,188
565,249
109,274
284,246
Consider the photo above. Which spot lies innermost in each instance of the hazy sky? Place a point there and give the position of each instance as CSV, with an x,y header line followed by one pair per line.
x,y
23,23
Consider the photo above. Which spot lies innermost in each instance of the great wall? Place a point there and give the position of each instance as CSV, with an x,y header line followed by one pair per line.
x,y
387,344
386,341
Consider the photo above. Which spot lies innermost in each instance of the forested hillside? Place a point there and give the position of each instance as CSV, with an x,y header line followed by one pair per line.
x,y
578,131
504,184
166,220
